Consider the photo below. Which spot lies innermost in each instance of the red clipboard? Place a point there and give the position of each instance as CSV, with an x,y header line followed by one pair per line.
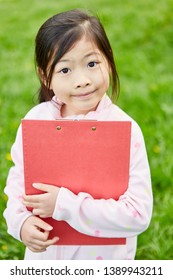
x,y
83,156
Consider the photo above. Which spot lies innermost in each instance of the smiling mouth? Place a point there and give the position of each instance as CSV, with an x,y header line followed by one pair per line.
x,y
84,95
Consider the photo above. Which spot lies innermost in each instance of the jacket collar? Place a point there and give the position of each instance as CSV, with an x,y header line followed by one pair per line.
x,y
103,105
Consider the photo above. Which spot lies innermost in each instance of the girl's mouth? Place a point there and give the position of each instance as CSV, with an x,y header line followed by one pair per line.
x,y
84,95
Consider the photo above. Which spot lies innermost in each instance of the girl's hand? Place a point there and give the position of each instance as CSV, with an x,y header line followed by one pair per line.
x,y
43,204
34,234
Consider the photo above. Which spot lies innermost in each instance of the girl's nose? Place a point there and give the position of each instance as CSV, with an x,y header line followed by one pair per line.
x,y
82,85
82,81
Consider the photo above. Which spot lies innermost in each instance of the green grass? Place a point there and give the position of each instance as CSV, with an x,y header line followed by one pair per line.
x,y
141,34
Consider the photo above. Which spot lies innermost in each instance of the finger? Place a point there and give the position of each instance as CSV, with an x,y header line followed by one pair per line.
x,y
43,225
37,212
44,215
39,245
52,241
35,198
43,187
30,204
36,249
39,240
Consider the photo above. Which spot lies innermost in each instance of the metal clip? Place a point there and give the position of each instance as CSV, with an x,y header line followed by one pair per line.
x,y
58,127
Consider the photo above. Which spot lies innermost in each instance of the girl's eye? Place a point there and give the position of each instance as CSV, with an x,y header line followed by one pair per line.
x,y
65,71
92,64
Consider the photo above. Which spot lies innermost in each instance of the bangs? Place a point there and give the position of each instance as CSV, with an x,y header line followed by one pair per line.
x,y
63,45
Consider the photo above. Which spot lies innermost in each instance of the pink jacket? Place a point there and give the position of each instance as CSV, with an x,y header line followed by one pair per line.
x,y
127,217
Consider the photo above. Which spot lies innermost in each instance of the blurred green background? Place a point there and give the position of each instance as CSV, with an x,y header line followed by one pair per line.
x,y
141,34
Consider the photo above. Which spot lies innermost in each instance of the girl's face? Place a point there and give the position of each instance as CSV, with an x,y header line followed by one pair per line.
x,y
80,78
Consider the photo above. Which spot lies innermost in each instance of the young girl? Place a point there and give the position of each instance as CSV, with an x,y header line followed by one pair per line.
x,y
75,66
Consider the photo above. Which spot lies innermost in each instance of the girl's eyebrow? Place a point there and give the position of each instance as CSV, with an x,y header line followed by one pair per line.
x,y
92,53
63,60
85,56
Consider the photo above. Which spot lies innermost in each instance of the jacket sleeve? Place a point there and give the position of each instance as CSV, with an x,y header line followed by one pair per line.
x,y
126,217
16,213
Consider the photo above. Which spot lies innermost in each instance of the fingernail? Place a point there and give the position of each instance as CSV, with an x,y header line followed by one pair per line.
x,y
49,228
56,239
